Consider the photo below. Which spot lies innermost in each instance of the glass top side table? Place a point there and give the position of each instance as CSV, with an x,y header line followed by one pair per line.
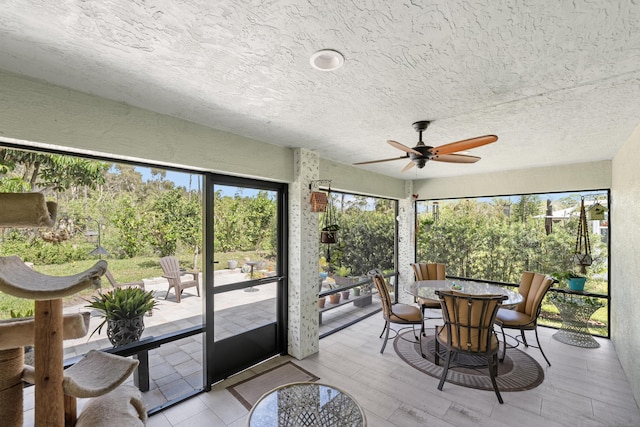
x,y
307,404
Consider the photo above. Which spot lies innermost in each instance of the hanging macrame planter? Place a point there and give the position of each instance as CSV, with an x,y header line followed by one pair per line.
x,y
329,231
582,252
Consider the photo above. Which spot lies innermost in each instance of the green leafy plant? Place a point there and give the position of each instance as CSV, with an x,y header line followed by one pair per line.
x,y
18,314
563,298
564,276
343,271
121,303
331,227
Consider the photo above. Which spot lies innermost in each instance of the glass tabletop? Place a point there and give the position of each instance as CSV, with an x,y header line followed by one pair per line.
x,y
306,404
427,289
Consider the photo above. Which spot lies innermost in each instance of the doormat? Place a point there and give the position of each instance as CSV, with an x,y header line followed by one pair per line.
x,y
518,372
250,390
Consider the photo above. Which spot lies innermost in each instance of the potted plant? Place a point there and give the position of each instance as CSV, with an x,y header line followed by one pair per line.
x,y
365,292
123,311
333,298
328,234
321,302
574,280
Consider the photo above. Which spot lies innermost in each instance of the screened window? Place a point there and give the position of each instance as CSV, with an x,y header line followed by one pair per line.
x,y
498,238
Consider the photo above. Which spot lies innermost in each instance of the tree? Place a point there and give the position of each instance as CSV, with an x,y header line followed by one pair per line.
x,y
43,172
172,219
129,222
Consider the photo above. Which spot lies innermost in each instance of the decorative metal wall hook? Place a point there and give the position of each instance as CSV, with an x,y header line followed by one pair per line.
x,y
314,185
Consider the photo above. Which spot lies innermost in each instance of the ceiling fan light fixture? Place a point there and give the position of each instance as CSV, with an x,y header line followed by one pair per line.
x,y
327,60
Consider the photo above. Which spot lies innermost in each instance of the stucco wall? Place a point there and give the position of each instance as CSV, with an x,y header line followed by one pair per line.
x,y
625,256
42,113
356,180
585,176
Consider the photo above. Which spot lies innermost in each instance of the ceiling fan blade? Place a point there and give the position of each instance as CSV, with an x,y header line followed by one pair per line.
x,y
403,147
383,160
408,166
465,144
455,158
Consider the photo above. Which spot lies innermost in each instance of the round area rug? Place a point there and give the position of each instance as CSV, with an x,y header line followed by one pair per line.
x,y
518,372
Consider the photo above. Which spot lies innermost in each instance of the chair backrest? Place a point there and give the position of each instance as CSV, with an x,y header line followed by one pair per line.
x,y
533,287
429,271
170,265
383,291
469,319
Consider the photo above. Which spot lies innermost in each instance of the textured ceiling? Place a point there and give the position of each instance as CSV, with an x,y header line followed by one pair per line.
x,y
558,82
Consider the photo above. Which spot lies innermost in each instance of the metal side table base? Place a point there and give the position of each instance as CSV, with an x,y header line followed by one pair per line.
x,y
575,327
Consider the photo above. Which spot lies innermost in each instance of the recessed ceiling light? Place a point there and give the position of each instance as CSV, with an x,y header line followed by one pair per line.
x,y
327,60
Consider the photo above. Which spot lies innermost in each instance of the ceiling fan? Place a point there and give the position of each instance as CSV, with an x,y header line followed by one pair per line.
x,y
421,153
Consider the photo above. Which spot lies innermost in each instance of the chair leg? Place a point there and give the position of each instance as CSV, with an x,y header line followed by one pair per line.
x,y
524,338
386,324
492,360
540,347
504,344
422,331
443,377
178,293
386,338
437,353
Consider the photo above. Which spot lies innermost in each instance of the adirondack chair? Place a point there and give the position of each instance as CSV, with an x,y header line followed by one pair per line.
x,y
113,282
172,273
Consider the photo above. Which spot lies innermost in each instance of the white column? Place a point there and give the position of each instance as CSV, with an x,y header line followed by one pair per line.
x,y
406,242
303,258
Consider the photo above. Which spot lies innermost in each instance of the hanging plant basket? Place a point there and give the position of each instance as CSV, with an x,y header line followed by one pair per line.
x,y
329,231
328,237
582,252
582,259
329,234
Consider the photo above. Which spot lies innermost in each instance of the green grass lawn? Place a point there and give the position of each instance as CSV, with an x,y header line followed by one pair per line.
x,y
123,270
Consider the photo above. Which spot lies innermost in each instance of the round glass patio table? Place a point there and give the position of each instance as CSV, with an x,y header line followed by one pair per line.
x,y
306,404
428,288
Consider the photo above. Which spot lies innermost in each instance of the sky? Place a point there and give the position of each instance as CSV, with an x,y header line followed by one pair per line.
x,y
179,178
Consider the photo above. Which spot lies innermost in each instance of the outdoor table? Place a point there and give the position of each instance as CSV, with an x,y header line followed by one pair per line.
x,y
306,404
428,288
575,315
252,264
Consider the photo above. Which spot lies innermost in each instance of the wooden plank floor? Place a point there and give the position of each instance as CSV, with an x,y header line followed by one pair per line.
x,y
583,387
